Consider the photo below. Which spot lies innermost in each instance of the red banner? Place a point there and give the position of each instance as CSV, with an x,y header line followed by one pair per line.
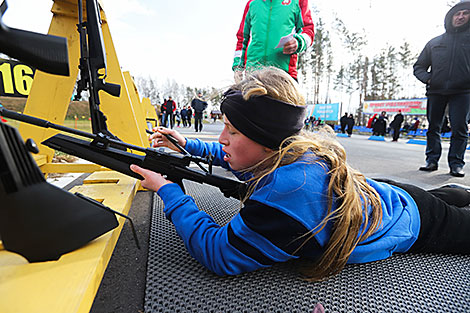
x,y
407,106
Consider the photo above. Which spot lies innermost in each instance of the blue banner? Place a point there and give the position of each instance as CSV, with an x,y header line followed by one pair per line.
x,y
324,111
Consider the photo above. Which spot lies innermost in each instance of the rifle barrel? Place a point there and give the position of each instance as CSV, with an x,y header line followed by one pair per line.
x,y
42,123
46,124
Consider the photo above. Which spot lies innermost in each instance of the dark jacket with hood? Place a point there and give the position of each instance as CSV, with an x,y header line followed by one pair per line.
x,y
198,105
444,63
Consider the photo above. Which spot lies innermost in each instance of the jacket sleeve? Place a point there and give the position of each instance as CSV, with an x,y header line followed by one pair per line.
x,y
243,37
304,28
421,67
225,250
202,149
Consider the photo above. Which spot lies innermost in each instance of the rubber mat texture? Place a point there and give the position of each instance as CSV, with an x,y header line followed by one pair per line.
x,y
403,283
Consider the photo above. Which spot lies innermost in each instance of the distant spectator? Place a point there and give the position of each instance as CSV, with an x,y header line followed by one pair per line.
x,y
178,118
183,114
396,125
307,123
168,109
414,127
380,125
371,121
343,122
189,115
198,106
311,122
350,123
406,127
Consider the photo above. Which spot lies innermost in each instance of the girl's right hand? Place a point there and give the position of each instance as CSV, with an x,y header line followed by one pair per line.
x,y
159,139
152,180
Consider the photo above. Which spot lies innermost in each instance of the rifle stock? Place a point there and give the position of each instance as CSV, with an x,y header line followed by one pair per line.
x,y
47,53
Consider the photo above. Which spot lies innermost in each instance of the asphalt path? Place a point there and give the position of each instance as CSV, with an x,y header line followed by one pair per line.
x,y
123,286
398,161
382,159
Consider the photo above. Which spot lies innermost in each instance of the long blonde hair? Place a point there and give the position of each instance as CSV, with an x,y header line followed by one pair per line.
x,y
352,223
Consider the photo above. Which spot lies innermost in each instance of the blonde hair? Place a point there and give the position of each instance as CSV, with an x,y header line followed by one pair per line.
x,y
351,220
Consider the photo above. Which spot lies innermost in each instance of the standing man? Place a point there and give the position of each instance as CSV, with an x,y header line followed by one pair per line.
x,y
444,66
184,116
263,24
198,106
189,115
350,123
343,122
396,125
168,108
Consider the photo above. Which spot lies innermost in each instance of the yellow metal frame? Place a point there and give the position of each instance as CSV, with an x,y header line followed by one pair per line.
x,y
72,168
150,113
70,284
50,95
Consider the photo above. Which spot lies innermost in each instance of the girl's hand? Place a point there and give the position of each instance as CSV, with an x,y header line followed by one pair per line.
x,y
152,180
159,140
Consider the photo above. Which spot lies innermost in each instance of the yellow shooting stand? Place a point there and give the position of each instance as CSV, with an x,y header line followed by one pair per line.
x,y
70,284
50,94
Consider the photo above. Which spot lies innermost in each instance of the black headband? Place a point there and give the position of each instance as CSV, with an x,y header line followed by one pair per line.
x,y
263,119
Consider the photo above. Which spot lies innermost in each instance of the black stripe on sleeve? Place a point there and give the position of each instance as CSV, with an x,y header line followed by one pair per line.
x,y
247,249
280,229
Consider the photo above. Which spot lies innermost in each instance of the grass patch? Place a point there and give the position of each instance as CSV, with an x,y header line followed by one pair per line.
x,y
61,157
83,125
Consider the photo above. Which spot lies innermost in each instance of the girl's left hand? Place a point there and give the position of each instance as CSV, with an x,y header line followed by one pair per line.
x,y
159,140
152,180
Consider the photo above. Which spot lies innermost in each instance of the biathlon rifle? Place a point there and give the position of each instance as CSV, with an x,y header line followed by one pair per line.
x,y
113,154
45,52
93,69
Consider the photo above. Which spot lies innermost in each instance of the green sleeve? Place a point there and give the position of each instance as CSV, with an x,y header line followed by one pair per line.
x,y
301,44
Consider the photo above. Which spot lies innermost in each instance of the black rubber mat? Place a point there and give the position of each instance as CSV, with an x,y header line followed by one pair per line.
x,y
403,283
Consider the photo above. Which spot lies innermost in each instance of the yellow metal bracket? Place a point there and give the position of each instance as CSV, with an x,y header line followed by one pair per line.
x,y
50,95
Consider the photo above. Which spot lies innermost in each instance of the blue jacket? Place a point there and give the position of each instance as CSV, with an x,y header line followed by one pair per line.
x,y
286,205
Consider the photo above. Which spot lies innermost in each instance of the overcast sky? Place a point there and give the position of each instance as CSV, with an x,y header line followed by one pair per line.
x,y
192,41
